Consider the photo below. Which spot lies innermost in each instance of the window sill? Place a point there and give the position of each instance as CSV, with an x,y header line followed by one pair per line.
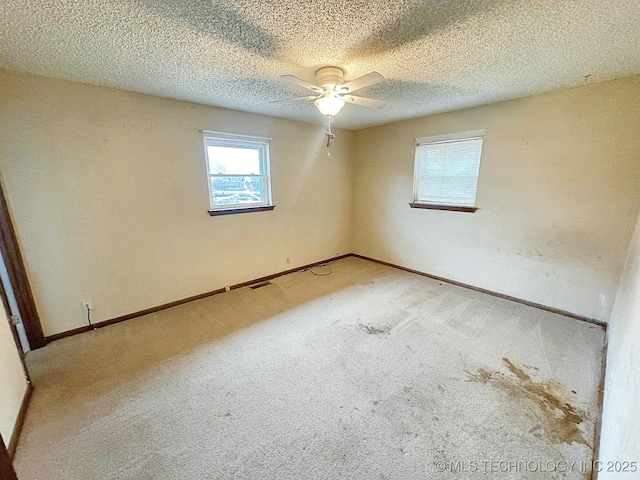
x,y
233,211
451,208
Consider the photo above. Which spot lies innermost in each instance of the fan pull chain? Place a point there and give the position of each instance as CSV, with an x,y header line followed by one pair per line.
x,y
330,135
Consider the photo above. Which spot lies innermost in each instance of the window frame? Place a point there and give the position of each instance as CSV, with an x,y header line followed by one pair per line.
x,y
445,138
213,138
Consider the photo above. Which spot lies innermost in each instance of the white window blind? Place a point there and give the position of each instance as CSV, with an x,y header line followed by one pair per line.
x,y
446,172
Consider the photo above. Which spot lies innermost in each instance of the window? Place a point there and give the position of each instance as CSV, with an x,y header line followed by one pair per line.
x,y
238,169
446,171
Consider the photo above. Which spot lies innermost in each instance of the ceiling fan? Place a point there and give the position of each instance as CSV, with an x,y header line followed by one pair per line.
x,y
331,92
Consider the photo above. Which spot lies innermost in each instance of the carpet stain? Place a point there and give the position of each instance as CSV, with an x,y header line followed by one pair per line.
x,y
379,331
548,402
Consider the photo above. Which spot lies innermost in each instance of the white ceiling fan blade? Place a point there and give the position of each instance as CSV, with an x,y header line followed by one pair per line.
x,y
370,78
301,83
308,97
364,102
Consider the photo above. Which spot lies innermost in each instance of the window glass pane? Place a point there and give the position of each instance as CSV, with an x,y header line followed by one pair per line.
x,y
233,160
447,173
233,190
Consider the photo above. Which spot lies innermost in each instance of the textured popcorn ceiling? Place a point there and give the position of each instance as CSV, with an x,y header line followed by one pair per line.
x,y
438,55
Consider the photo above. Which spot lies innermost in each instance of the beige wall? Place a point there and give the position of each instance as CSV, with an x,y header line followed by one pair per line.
x,y
13,383
108,191
558,193
620,439
109,195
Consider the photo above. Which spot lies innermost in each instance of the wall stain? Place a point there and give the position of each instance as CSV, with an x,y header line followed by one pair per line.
x,y
548,403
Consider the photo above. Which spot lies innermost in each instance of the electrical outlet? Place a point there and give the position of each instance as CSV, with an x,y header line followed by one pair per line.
x,y
87,304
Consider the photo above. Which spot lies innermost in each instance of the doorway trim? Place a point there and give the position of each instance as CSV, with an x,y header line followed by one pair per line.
x,y
6,467
18,277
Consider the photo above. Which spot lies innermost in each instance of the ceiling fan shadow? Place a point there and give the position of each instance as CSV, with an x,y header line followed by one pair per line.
x,y
407,90
221,20
405,97
418,22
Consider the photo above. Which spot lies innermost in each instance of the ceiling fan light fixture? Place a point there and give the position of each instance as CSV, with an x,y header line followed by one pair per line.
x,y
329,104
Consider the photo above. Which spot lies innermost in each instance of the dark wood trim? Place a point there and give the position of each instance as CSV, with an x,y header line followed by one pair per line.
x,y
6,467
450,208
18,277
14,332
129,316
594,321
596,441
158,308
233,211
17,429
72,332
147,311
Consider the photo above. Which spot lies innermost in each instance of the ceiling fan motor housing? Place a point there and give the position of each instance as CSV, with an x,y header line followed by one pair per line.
x,y
329,77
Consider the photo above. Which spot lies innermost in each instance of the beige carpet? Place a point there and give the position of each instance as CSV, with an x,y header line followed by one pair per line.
x,y
368,373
